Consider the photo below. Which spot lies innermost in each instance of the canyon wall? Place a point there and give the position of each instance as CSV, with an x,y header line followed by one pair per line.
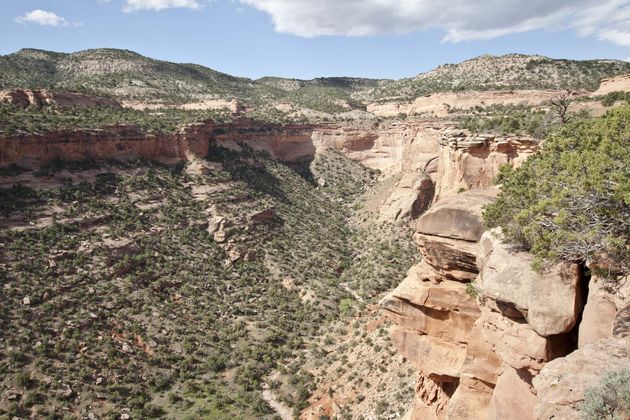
x,y
286,142
442,103
490,337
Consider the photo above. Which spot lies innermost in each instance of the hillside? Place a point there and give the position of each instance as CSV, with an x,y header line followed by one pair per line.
x,y
125,75
151,290
507,72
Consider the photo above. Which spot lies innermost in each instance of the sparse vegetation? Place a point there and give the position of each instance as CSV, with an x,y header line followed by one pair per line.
x,y
610,399
14,120
133,305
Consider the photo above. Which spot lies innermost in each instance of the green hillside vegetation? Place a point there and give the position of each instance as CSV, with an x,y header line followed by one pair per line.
x,y
15,120
508,72
571,200
116,298
507,119
126,75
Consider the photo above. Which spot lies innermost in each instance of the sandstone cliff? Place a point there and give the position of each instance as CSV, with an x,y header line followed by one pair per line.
x,y
490,337
285,142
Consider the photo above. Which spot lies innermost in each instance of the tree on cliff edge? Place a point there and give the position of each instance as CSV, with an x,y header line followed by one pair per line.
x,y
571,200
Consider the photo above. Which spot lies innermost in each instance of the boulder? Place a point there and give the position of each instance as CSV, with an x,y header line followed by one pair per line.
x,y
263,216
119,248
411,196
561,383
550,301
518,345
457,216
513,397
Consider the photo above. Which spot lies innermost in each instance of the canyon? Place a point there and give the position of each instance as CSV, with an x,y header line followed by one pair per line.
x,y
489,337
286,211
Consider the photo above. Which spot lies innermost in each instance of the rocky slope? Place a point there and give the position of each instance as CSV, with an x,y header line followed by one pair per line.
x,y
507,72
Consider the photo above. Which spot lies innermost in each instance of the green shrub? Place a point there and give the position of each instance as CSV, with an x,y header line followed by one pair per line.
x,y
612,97
571,200
610,400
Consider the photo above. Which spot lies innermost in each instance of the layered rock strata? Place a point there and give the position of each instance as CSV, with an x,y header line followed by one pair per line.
x,y
285,142
514,343
25,98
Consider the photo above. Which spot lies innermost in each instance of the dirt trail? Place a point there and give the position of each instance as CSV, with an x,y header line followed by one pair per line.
x,y
282,410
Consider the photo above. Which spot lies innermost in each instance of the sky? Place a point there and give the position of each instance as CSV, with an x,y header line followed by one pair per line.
x,y
321,38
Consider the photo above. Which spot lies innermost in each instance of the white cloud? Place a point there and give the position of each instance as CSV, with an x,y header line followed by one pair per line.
x,y
41,17
135,5
615,36
460,19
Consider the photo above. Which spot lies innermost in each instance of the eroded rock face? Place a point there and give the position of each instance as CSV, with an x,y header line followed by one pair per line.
x,y
431,399
447,234
471,162
24,98
478,377
621,326
561,384
449,258
435,312
286,142
551,301
513,396
412,195
444,310
391,147
517,344
619,83
436,358
605,300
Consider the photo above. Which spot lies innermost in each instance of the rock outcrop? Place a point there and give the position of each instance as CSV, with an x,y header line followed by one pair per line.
x,y
549,301
411,196
613,84
391,147
561,384
606,299
479,347
284,142
471,162
24,98
433,308
440,104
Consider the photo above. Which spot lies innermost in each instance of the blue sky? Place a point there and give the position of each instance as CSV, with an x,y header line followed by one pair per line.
x,y
312,38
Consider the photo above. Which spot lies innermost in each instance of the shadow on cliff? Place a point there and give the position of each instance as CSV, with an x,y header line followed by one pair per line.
x,y
303,169
249,166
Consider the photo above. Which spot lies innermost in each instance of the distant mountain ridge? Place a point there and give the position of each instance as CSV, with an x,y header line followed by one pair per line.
x,y
126,75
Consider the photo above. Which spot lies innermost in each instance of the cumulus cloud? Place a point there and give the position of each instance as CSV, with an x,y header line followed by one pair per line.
x,y
460,19
135,5
42,17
